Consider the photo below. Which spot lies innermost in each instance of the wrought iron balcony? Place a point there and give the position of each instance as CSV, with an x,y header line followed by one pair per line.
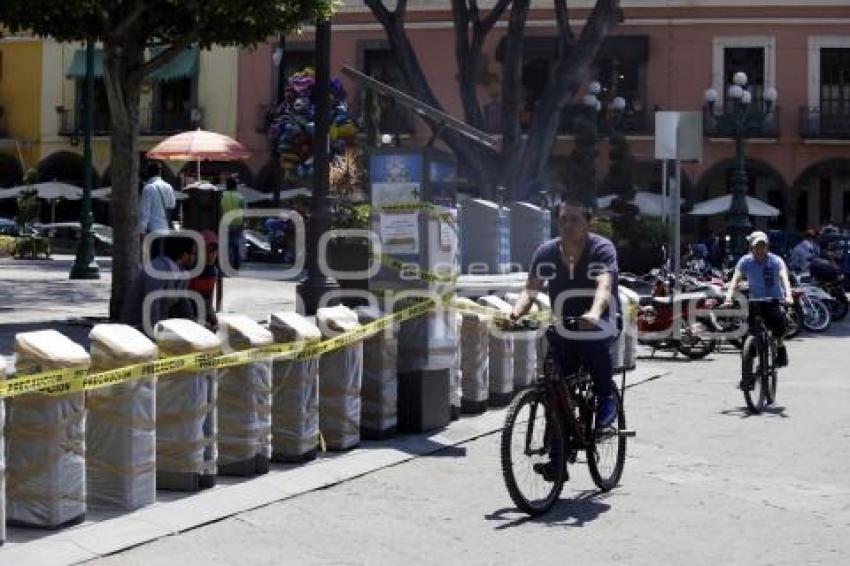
x,y
757,120
152,121
631,122
825,123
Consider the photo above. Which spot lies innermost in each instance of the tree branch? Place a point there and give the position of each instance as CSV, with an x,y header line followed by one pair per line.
x,y
565,31
121,28
494,16
379,10
400,9
512,86
163,58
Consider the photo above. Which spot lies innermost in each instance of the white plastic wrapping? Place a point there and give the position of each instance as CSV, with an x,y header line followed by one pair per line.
x,y
624,348
295,397
3,372
456,373
340,379
186,416
501,352
428,342
244,397
525,358
121,427
474,355
46,469
379,391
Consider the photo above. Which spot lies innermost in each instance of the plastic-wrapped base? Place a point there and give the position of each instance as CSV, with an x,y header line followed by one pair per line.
x,y
500,399
184,481
473,407
262,464
308,456
423,400
69,523
372,434
245,468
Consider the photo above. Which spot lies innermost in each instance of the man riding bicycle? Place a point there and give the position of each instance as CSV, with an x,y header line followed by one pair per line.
x,y
579,270
767,276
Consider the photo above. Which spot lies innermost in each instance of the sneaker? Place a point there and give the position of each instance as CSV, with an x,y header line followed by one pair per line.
x,y
781,357
546,470
606,413
747,384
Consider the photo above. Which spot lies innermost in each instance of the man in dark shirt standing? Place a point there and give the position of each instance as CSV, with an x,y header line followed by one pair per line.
x,y
579,270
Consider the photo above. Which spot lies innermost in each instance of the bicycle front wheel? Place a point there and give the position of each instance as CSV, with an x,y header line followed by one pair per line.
x,y
533,452
607,457
751,365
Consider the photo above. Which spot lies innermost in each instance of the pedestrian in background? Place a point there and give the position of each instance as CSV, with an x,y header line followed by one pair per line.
x,y
232,200
204,284
156,204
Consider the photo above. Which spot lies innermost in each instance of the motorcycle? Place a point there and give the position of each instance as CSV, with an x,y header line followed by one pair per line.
x,y
665,321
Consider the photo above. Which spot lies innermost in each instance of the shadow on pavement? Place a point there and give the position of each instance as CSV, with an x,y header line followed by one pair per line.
x,y
745,413
587,506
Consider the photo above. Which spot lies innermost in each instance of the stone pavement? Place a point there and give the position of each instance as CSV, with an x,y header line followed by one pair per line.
x,y
35,295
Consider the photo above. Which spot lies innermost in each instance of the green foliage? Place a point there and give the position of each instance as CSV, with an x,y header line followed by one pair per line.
x,y
7,246
32,247
619,180
579,174
206,22
639,241
28,208
603,227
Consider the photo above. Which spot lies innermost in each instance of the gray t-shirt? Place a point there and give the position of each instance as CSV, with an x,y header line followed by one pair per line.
x,y
575,283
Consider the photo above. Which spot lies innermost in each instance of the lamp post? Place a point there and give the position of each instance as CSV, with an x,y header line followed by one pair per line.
x,y
593,107
738,119
85,266
277,60
317,283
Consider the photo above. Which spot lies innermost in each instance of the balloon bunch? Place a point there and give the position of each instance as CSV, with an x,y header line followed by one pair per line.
x,y
294,122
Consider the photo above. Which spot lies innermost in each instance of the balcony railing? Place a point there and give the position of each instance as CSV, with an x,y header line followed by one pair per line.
x,y
825,123
760,124
152,121
631,122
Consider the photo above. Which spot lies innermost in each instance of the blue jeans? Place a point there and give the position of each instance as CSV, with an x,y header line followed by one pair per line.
x,y
234,246
594,355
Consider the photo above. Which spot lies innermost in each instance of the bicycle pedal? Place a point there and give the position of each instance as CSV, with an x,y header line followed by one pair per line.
x,y
627,433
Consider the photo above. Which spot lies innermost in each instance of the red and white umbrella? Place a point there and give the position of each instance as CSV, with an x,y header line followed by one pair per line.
x,y
199,145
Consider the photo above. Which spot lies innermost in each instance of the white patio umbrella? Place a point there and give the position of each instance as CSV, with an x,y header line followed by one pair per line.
x,y
105,193
722,205
649,204
50,191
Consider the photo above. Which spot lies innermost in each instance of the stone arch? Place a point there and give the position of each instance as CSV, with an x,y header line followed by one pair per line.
x,y
11,171
831,179
765,183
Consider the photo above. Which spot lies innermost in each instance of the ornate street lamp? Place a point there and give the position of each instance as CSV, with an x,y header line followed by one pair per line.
x,y
85,266
738,120
317,283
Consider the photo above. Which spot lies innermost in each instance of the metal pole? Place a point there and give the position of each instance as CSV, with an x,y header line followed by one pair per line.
x,y
675,199
85,266
281,88
664,191
317,283
738,222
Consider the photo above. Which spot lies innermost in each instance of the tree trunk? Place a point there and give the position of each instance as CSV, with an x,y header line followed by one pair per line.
x,y
124,93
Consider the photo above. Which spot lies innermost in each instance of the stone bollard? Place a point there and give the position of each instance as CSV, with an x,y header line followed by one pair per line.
x,y
456,375
340,379
379,392
525,350
46,470
474,359
3,372
501,356
244,401
186,419
121,427
295,397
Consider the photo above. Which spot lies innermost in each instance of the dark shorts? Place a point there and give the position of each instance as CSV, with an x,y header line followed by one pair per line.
x,y
773,314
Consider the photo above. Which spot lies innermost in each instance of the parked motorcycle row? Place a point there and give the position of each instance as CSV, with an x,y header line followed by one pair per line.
x,y
684,314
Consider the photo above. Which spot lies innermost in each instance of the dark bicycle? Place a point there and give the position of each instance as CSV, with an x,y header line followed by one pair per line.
x,y
546,427
758,360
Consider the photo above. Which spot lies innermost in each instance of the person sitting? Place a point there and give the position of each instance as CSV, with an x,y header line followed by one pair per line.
x,y
803,253
204,284
162,274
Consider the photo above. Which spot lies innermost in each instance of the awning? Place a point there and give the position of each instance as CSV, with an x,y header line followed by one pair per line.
x,y
184,66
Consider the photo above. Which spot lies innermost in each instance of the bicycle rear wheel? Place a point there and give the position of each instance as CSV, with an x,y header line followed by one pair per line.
x,y
751,364
533,452
607,457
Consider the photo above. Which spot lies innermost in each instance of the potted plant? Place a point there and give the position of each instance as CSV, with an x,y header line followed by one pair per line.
x,y
350,212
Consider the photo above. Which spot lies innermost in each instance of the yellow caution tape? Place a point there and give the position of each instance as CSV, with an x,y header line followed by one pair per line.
x,y
61,382
412,270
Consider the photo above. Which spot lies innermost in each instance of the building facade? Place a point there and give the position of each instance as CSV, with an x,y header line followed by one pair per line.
x,y
41,111
663,56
